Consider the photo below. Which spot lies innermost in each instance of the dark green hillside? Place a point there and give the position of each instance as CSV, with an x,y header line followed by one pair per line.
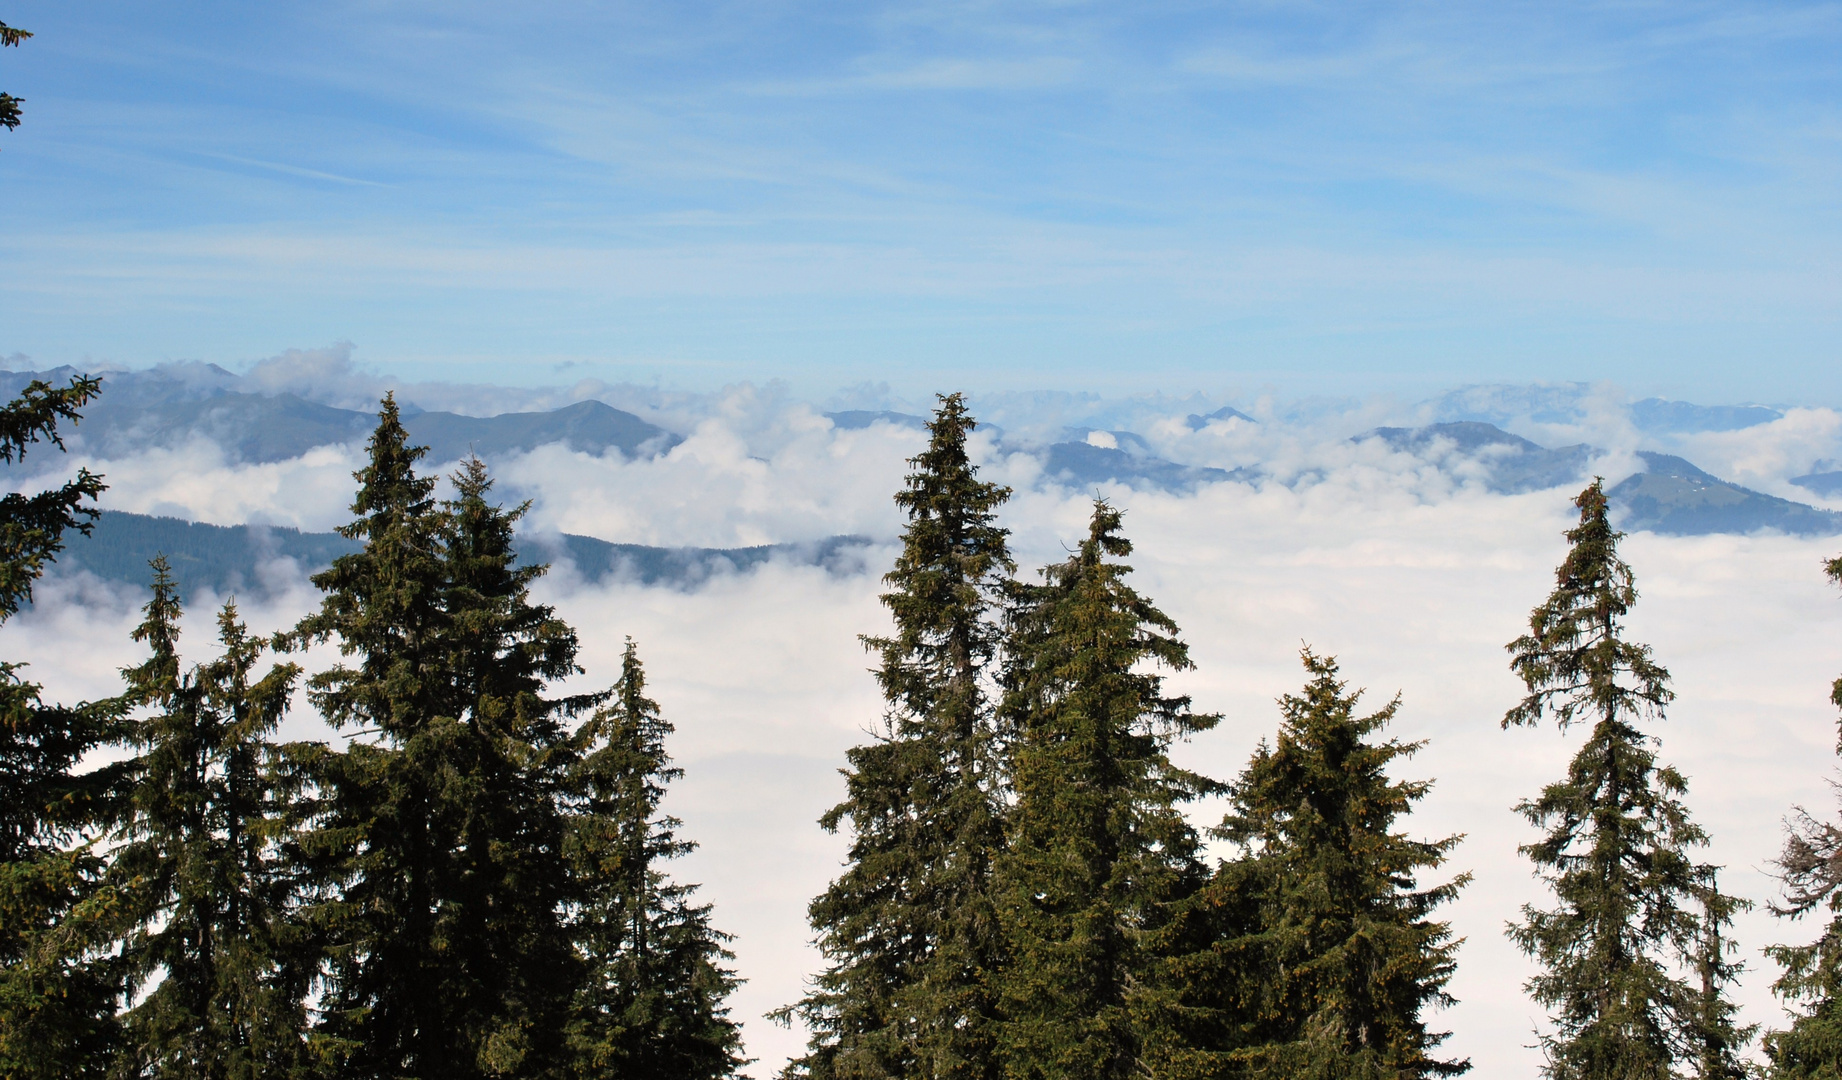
x,y
227,559
1676,498
224,559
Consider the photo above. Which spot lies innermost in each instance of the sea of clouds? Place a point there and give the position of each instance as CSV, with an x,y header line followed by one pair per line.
x,y
1404,568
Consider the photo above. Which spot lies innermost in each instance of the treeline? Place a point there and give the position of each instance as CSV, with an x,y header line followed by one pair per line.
x,y
473,884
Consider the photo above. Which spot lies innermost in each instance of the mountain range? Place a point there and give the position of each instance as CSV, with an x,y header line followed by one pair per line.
x,y
142,409
167,407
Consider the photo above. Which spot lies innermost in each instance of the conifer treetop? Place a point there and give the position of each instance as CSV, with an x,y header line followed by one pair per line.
x,y
953,554
1574,659
1347,954
155,680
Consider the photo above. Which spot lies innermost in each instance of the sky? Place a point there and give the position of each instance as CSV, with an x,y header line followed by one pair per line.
x,y
1232,198
728,217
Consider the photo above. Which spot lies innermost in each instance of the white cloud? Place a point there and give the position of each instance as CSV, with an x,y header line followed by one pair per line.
x,y
1412,576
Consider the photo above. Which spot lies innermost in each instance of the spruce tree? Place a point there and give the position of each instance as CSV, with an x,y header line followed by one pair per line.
x,y
512,878
1810,868
438,842
1617,853
1339,956
195,866
57,985
1716,1035
652,1004
909,930
378,847
1100,854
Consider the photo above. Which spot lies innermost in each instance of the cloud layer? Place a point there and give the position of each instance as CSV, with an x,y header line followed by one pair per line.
x,y
1405,568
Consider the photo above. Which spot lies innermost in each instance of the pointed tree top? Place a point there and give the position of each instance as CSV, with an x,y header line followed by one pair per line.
x,y
158,677
1574,659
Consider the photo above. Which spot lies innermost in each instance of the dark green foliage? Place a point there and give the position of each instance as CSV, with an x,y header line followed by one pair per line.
x,y
32,526
1618,838
512,881
909,930
1338,958
1716,1039
436,845
652,1005
207,940
380,840
9,105
1100,854
57,986
1811,870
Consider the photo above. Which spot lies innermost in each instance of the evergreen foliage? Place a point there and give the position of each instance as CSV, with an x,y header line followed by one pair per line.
x,y
57,984
1100,855
378,844
32,527
652,1004
1810,868
195,864
1338,957
1716,1038
1617,848
510,752
909,929
437,847
9,105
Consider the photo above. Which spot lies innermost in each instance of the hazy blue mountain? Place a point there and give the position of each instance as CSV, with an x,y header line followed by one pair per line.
x,y
1515,464
589,426
1501,403
1081,464
1680,417
1676,498
227,559
1826,484
852,419
1564,403
1130,442
166,407
1198,422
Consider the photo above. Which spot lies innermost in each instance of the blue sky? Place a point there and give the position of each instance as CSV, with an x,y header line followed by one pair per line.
x,y
1311,198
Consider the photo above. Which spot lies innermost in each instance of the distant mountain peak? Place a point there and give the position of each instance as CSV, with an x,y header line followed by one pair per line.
x,y
1512,464
1675,497
1681,417
1197,421
855,419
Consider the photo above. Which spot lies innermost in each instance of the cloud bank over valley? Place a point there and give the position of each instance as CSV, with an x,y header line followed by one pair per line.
x,y
1406,538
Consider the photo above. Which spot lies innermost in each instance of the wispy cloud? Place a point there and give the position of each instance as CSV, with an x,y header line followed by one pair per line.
x,y
293,170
